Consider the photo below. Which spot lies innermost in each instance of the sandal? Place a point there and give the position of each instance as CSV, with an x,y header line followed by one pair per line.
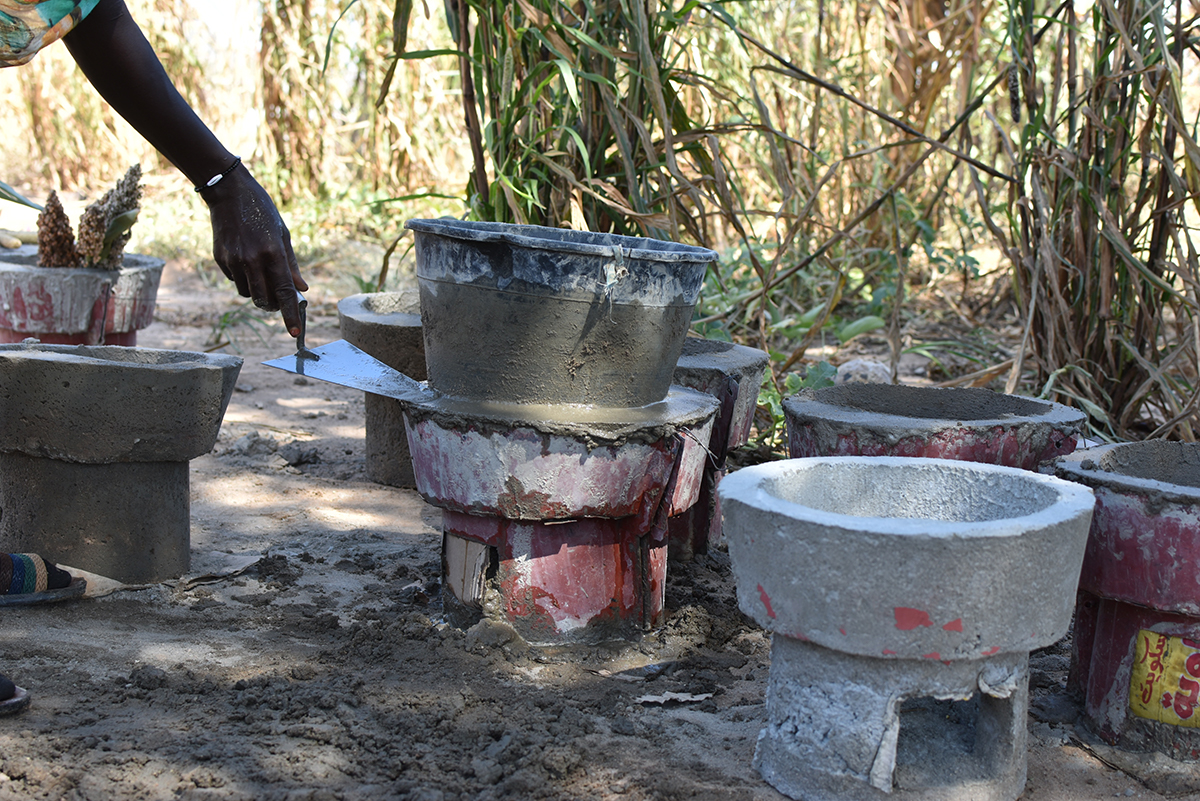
x,y
13,699
26,578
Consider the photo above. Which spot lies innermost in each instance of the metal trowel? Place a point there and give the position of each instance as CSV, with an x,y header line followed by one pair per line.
x,y
341,363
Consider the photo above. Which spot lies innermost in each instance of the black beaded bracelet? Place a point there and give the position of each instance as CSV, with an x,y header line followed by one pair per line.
x,y
217,178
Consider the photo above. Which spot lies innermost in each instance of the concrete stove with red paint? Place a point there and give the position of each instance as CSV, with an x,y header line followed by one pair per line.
x,y
1139,576
76,306
732,374
975,425
903,596
561,512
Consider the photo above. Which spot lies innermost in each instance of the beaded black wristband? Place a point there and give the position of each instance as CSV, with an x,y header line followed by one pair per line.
x,y
217,178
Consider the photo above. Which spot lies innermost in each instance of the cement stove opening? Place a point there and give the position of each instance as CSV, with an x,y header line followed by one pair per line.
x,y
951,743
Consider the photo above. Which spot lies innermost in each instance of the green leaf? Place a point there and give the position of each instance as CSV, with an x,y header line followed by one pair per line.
x,y
116,227
12,195
568,77
862,325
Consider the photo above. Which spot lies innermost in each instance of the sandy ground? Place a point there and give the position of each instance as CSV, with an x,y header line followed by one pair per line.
x,y
304,658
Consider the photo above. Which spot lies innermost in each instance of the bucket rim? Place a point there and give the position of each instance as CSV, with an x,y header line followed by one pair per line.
x,y
539,237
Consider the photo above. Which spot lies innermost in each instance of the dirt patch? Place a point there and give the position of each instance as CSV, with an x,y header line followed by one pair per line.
x,y
304,656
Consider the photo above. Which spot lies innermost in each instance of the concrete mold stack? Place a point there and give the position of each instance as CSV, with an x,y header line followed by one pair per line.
x,y
94,449
552,438
906,561
903,596
1136,649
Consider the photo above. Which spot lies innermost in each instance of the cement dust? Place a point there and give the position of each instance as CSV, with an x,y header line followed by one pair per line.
x,y
322,671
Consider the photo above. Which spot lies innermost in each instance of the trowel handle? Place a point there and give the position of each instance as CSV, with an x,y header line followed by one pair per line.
x,y
303,314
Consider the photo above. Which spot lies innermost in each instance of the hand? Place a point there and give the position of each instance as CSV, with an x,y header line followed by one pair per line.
x,y
252,245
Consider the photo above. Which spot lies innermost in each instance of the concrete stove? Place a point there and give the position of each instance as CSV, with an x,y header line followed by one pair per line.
x,y
386,325
975,425
733,374
552,436
94,451
1136,650
562,512
903,596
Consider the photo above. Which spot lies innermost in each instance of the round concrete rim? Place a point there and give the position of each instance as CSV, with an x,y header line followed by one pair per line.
x,y
735,359
120,356
134,262
747,485
805,406
1071,467
355,307
683,406
541,237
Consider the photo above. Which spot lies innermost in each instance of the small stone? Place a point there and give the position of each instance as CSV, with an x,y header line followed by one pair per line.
x,y
863,371
148,677
490,633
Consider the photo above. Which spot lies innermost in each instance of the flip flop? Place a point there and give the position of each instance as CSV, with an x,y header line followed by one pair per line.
x,y
75,589
27,579
14,703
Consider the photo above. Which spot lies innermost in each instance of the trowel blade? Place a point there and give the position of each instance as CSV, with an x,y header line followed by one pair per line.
x,y
341,363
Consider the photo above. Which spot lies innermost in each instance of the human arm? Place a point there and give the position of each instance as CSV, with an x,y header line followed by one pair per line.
x,y
251,243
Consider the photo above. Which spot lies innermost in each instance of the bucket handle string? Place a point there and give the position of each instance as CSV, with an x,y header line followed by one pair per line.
x,y
614,271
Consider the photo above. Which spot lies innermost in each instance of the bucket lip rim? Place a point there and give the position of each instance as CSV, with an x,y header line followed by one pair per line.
x,y
528,236
1071,467
747,486
806,407
98,355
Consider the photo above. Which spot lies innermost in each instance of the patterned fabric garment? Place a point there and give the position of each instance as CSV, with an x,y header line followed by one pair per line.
x,y
26,26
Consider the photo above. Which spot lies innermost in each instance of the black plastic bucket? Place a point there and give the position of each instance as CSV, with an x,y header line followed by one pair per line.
x,y
526,314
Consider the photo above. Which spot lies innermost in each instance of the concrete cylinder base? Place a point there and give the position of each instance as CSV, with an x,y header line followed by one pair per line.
x,y
95,444
387,325
586,581
127,520
556,520
1139,603
973,425
732,374
843,727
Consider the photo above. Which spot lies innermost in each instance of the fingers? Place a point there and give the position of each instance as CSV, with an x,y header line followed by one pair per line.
x,y
253,246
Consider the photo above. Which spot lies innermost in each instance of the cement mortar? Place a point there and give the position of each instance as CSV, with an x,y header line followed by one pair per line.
x,y
521,313
492,345
104,404
1163,470
594,426
904,557
387,325
127,521
837,727
970,424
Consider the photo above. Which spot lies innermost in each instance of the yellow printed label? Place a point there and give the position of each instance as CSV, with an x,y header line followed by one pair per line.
x,y
1165,685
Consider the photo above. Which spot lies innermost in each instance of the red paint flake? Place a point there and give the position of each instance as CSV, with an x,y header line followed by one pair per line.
x,y
843,631
908,619
992,650
766,599
954,625
934,655
888,652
